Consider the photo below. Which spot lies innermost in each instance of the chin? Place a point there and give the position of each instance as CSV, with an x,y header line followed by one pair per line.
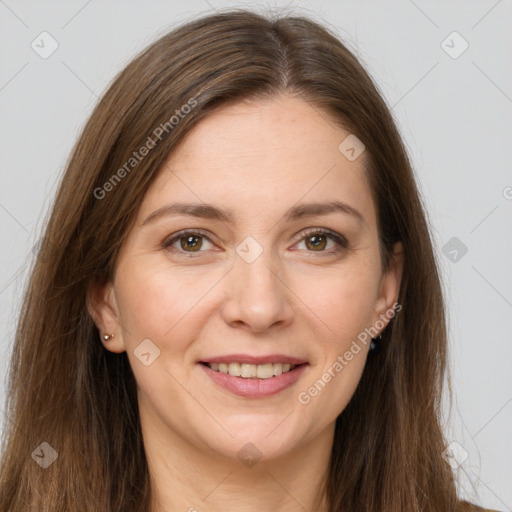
x,y
255,437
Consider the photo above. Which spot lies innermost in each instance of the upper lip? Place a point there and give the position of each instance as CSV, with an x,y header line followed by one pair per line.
x,y
248,359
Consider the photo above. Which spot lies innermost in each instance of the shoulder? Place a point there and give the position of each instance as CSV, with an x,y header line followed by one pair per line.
x,y
464,506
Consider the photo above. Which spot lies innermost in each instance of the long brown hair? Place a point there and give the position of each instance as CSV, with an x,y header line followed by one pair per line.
x,y
66,390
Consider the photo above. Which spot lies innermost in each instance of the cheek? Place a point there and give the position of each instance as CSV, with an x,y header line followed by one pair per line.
x,y
156,302
337,314
339,302
169,309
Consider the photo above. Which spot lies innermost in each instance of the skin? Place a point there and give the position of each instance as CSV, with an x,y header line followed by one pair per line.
x,y
256,159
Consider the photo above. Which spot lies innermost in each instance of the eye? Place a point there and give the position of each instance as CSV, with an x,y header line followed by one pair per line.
x,y
317,240
189,241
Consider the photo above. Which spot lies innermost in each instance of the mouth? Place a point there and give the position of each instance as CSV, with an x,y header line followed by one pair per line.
x,y
242,376
252,371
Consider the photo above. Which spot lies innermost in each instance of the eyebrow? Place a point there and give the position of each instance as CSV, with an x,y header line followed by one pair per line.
x,y
208,211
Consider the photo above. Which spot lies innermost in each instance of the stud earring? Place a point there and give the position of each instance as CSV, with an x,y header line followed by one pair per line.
x,y
375,345
108,337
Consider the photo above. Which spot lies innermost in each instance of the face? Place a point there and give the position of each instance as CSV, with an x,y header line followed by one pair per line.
x,y
255,250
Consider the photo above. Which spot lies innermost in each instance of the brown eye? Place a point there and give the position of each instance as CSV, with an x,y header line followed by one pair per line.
x,y
193,243
322,241
188,242
316,242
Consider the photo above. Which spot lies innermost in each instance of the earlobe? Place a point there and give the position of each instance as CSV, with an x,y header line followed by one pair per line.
x,y
102,307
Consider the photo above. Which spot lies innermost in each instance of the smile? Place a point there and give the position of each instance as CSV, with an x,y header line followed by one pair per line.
x,y
252,371
254,381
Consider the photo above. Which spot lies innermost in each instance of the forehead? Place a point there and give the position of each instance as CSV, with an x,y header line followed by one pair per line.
x,y
273,153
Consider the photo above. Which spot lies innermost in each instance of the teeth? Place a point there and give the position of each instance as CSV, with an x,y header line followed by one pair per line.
x,y
265,371
234,369
251,371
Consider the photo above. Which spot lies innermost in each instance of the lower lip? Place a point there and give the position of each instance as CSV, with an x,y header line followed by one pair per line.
x,y
255,388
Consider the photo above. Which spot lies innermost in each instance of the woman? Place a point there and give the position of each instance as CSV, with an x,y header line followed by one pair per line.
x,y
237,303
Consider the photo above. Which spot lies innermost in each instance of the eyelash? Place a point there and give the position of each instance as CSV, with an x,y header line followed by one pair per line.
x,y
339,239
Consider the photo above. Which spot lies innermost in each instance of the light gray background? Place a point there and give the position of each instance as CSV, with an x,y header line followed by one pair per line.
x,y
454,114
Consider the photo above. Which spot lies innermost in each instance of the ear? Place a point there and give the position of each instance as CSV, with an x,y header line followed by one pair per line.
x,y
102,306
389,290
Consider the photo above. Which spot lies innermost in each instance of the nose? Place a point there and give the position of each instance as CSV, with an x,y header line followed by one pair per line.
x,y
257,297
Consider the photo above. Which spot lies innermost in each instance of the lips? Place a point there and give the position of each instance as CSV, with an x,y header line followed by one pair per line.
x,y
245,382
